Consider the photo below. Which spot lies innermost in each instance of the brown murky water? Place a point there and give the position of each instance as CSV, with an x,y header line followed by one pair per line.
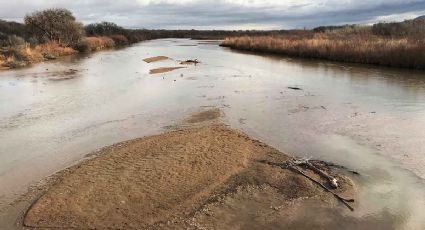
x,y
366,118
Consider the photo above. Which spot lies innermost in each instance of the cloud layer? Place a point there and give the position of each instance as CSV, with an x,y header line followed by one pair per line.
x,y
224,14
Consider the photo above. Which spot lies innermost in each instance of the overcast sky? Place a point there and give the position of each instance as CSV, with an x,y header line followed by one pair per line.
x,y
223,14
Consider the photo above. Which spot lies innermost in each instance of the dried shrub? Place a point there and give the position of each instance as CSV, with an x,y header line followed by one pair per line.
x,y
83,46
119,39
98,43
54,49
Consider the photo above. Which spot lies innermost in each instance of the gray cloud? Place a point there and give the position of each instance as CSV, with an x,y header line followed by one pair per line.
x,y
223,14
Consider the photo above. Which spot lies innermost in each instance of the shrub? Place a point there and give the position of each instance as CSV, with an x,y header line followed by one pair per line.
x,y
103,29
83,46
98,43
33,41
2,59
12,41
14,28
55,25
54,49
119,39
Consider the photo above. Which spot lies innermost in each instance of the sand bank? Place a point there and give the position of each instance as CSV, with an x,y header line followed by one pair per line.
x,y
155,59
209,177
163,70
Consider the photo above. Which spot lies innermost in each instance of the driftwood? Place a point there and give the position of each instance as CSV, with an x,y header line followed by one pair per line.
x,y
294,165
190,61
332,165
343,200
332,180
295,88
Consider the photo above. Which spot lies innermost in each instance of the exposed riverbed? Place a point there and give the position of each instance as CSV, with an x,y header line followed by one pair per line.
x,y
369,119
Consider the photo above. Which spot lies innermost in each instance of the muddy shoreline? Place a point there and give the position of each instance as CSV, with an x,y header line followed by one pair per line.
x,y
194,176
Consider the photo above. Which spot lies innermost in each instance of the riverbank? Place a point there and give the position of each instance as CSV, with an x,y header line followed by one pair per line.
x,y
354,48
22,56
192,177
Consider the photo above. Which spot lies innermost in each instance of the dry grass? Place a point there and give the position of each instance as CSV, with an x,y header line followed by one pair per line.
x,y
23,55
54,49
99,43
119,39
20,56
3,61
356,48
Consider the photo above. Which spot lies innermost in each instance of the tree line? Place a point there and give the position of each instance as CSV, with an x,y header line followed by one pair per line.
x,y
412,29
60,26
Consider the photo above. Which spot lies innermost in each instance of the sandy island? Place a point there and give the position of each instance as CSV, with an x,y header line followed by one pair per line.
x,y
155,59
204,177
164,69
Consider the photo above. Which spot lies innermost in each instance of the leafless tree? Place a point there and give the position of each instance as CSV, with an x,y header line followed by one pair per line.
x,y
57,25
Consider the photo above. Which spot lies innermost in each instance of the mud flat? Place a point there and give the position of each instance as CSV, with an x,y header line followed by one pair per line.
x,y
155,59
204,116
164,70
203,177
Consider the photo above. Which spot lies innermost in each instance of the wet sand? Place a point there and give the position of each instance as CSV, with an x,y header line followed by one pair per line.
x,y
164,70
203,116
155,59
209,176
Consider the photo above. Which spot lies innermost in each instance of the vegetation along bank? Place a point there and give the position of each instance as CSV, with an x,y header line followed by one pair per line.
x,y
386,44
55,32
52,33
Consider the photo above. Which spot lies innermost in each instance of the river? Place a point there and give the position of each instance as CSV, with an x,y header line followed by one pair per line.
x,y
366,118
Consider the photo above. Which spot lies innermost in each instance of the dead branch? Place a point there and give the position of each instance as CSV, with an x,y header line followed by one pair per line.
x,y
190,61
293,165
332,180
343,200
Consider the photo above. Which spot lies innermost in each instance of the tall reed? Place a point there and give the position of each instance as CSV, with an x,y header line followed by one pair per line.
x,y
356,48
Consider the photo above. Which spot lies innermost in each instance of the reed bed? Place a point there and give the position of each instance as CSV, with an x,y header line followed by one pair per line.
x,y
356,48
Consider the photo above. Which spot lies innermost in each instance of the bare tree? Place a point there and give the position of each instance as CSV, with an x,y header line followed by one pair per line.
x,y
57,25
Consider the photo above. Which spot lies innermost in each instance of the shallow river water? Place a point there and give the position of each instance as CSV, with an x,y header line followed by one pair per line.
x,y
369,119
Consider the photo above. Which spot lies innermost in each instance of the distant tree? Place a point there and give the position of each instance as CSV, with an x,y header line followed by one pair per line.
x,y
104,29
14,28
58,25
14,33
410,28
